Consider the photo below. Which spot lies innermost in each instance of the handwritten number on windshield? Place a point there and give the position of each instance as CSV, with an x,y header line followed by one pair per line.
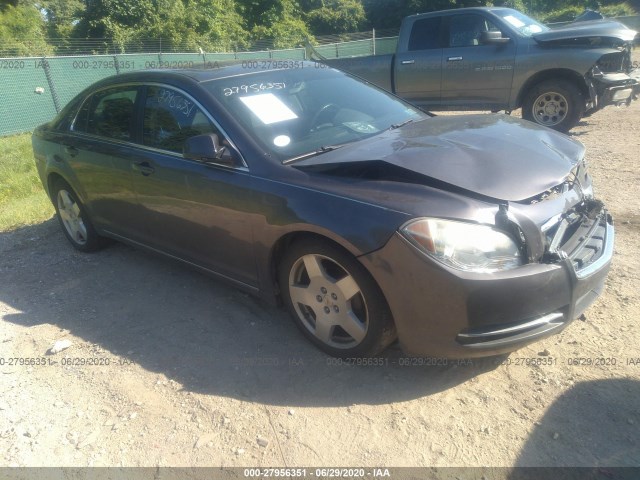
x,y
254,87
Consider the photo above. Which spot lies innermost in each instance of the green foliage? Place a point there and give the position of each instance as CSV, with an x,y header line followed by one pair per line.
x,y
618,10
226,25
566,14
279,21
569,13
336,16
22,31
23,200
61,15
188,25
517,4
285,33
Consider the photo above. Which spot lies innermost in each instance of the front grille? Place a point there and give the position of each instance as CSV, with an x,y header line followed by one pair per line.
x,y
580,235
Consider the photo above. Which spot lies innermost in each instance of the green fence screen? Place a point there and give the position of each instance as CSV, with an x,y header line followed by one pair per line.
x,y
32,90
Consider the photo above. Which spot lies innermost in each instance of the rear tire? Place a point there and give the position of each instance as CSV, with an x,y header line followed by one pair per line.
x,y
557,104
74,219
334,300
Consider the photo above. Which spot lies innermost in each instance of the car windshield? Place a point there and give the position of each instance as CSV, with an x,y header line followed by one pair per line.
x,y
519,21
300,111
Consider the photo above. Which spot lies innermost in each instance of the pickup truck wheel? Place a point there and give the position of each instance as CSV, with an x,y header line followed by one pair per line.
x,y
555,104
334,300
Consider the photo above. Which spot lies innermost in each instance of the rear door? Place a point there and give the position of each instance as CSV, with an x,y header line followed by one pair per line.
x,y
97,149
475,75
418,63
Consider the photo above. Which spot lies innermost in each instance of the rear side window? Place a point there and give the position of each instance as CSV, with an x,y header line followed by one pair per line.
x,y
425,34
108,113
170,118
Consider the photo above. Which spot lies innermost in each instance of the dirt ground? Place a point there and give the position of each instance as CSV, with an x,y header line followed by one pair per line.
x,y
171,368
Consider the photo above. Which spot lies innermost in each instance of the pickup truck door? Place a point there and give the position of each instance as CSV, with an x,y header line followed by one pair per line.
x,y
418,63
475,75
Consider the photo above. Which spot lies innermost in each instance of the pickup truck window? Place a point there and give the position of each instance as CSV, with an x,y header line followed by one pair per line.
x,y
465,30
425,34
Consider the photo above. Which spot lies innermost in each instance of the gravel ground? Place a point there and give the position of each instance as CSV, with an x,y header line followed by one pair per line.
x,y
172,368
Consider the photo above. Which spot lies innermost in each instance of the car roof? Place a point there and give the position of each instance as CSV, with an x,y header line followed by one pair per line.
x,y
204,72
461,10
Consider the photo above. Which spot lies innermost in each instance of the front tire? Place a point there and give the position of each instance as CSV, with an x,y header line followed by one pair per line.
x,y
74,220
334,300
556,104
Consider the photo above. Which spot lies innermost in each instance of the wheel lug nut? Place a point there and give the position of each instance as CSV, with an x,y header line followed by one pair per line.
x,y
334,296
323,290
327,310
335,308
319,298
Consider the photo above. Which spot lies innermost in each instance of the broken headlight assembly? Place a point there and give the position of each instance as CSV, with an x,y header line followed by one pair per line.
x,y
464,246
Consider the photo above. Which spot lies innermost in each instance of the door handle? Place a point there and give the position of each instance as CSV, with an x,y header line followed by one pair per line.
x,y
71,150
408,62
143,167
454,59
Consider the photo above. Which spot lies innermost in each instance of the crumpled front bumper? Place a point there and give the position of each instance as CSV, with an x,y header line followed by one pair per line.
x,y
613,89
444,312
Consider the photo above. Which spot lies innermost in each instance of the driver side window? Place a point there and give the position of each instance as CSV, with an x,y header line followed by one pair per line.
x,y
466,30
170,118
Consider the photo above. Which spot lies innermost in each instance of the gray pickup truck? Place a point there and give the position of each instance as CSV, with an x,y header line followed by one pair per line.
x,y
500,59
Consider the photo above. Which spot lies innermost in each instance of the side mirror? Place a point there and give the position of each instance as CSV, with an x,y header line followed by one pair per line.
x,y
493,38
207,149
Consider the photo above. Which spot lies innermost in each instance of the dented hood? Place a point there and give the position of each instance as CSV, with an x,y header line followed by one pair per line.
x,y
595,30
493,156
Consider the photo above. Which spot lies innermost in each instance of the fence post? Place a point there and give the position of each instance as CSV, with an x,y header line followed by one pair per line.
x,y
52,88
374,41
115,63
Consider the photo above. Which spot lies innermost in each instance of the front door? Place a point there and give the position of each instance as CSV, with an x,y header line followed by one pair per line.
x,y
197,212
475,75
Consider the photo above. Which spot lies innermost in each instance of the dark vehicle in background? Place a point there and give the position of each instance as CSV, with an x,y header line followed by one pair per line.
x,y
369,219
500,59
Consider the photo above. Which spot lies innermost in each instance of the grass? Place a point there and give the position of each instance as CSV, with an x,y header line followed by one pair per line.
x,y
23,200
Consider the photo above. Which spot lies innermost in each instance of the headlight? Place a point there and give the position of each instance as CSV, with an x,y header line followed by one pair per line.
x,y
465,246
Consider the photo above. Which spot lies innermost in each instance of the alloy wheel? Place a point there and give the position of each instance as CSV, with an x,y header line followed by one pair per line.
x,y
328,301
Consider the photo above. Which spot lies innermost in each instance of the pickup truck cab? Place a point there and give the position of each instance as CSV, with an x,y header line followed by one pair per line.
x,y
500,59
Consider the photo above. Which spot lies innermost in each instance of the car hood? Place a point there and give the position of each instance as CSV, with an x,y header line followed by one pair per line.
x,y
595,30
492,156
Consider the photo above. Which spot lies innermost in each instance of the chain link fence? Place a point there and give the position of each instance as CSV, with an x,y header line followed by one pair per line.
x,y
34,89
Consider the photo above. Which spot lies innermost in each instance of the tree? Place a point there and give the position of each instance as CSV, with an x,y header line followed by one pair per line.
x,y
61,16
336,16
280,22
22,31
180,24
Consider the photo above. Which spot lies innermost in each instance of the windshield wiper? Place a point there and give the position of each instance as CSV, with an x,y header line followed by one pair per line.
x,y
402,124
320,151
